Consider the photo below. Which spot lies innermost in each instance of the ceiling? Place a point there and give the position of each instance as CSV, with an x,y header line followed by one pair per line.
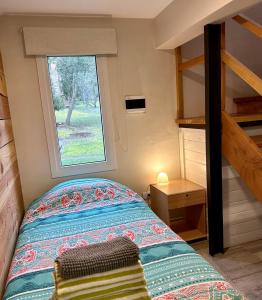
x,y
116,8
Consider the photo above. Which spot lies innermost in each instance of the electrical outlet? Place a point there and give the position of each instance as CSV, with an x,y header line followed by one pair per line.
x,y
145,195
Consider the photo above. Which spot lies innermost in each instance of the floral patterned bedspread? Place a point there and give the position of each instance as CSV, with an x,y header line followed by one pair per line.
x,y
87,211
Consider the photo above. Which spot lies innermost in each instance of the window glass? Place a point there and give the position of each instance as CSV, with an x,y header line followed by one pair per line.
x,y
76,102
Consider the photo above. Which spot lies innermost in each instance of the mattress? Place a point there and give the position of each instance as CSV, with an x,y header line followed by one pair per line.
x,y
87,211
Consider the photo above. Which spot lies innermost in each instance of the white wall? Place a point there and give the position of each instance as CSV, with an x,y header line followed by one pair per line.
x,y
145,144
245,46
183,20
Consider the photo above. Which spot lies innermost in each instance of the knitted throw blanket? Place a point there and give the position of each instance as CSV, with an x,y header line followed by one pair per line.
x,y
120,284
118,253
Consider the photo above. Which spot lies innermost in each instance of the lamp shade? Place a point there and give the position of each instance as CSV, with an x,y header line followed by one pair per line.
x,y
162,178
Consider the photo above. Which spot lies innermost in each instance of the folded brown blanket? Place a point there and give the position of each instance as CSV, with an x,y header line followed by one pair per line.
x,y
118,253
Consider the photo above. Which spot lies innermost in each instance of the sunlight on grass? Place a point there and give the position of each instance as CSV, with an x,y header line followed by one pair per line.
x,y
82,141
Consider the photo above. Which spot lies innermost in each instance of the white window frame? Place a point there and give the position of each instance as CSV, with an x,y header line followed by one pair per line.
x,y
57,170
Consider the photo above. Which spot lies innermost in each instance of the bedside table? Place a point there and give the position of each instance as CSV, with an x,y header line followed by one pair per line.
x,y
181,204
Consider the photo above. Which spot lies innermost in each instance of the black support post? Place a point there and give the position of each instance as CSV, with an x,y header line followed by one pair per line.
x,y
213,137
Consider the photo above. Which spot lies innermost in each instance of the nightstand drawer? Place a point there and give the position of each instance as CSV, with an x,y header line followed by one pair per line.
x,y
186,199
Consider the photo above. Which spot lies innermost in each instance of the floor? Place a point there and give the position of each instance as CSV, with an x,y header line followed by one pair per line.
x,y
240,265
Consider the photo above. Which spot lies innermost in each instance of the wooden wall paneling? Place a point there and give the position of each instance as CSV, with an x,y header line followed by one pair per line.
x,y
7,158
196,157
195,146
9,176
6,132
197,135
11,212
231,184
4,108
212,38
235,240
243,232
11,204
182,153
237,198
192,145
196,172
242,212
244,227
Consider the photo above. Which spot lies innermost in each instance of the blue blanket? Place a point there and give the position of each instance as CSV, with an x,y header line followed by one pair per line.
x,y
87,211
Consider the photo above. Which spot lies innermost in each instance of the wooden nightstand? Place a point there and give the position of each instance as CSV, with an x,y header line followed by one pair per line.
x,y
181,204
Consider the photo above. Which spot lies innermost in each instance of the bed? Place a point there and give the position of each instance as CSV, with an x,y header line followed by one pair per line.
x,y
87,211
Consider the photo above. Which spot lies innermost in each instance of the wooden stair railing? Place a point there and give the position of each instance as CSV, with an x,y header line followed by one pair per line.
x,y
242,71
248,24
199,60
242,151
243,154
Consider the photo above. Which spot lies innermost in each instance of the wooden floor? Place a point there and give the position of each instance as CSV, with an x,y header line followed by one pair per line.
x,y
240,265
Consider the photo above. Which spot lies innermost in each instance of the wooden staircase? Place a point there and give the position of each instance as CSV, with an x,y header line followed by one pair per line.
x,y
242,151
257,139
249,105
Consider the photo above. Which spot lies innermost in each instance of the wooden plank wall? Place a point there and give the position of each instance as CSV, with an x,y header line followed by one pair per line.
x,y
193,155
11,204
242,212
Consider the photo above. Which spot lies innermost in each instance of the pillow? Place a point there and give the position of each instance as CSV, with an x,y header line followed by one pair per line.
x,y
79,194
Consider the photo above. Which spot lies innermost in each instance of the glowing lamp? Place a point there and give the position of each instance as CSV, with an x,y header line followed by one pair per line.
x,y
162,178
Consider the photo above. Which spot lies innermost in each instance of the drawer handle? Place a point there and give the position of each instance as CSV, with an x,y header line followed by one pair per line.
x,y
187,195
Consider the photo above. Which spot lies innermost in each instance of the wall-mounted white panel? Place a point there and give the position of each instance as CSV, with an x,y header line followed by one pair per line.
x,y
242,213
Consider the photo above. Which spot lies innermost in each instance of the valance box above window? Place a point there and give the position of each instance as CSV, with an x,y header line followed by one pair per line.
x,y
41,41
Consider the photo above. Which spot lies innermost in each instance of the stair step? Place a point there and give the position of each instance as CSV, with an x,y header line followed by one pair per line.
x,y
257,139
243,118
249,105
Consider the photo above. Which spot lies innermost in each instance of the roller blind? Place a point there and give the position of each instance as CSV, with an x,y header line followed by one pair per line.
x,y
69,41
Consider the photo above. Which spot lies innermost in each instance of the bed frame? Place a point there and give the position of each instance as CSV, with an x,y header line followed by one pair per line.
x,y
11,203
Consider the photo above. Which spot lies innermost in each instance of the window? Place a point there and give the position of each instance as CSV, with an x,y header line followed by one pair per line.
x,y
75,100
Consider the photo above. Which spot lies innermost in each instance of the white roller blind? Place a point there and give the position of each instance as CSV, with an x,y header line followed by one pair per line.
x,y
69,41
